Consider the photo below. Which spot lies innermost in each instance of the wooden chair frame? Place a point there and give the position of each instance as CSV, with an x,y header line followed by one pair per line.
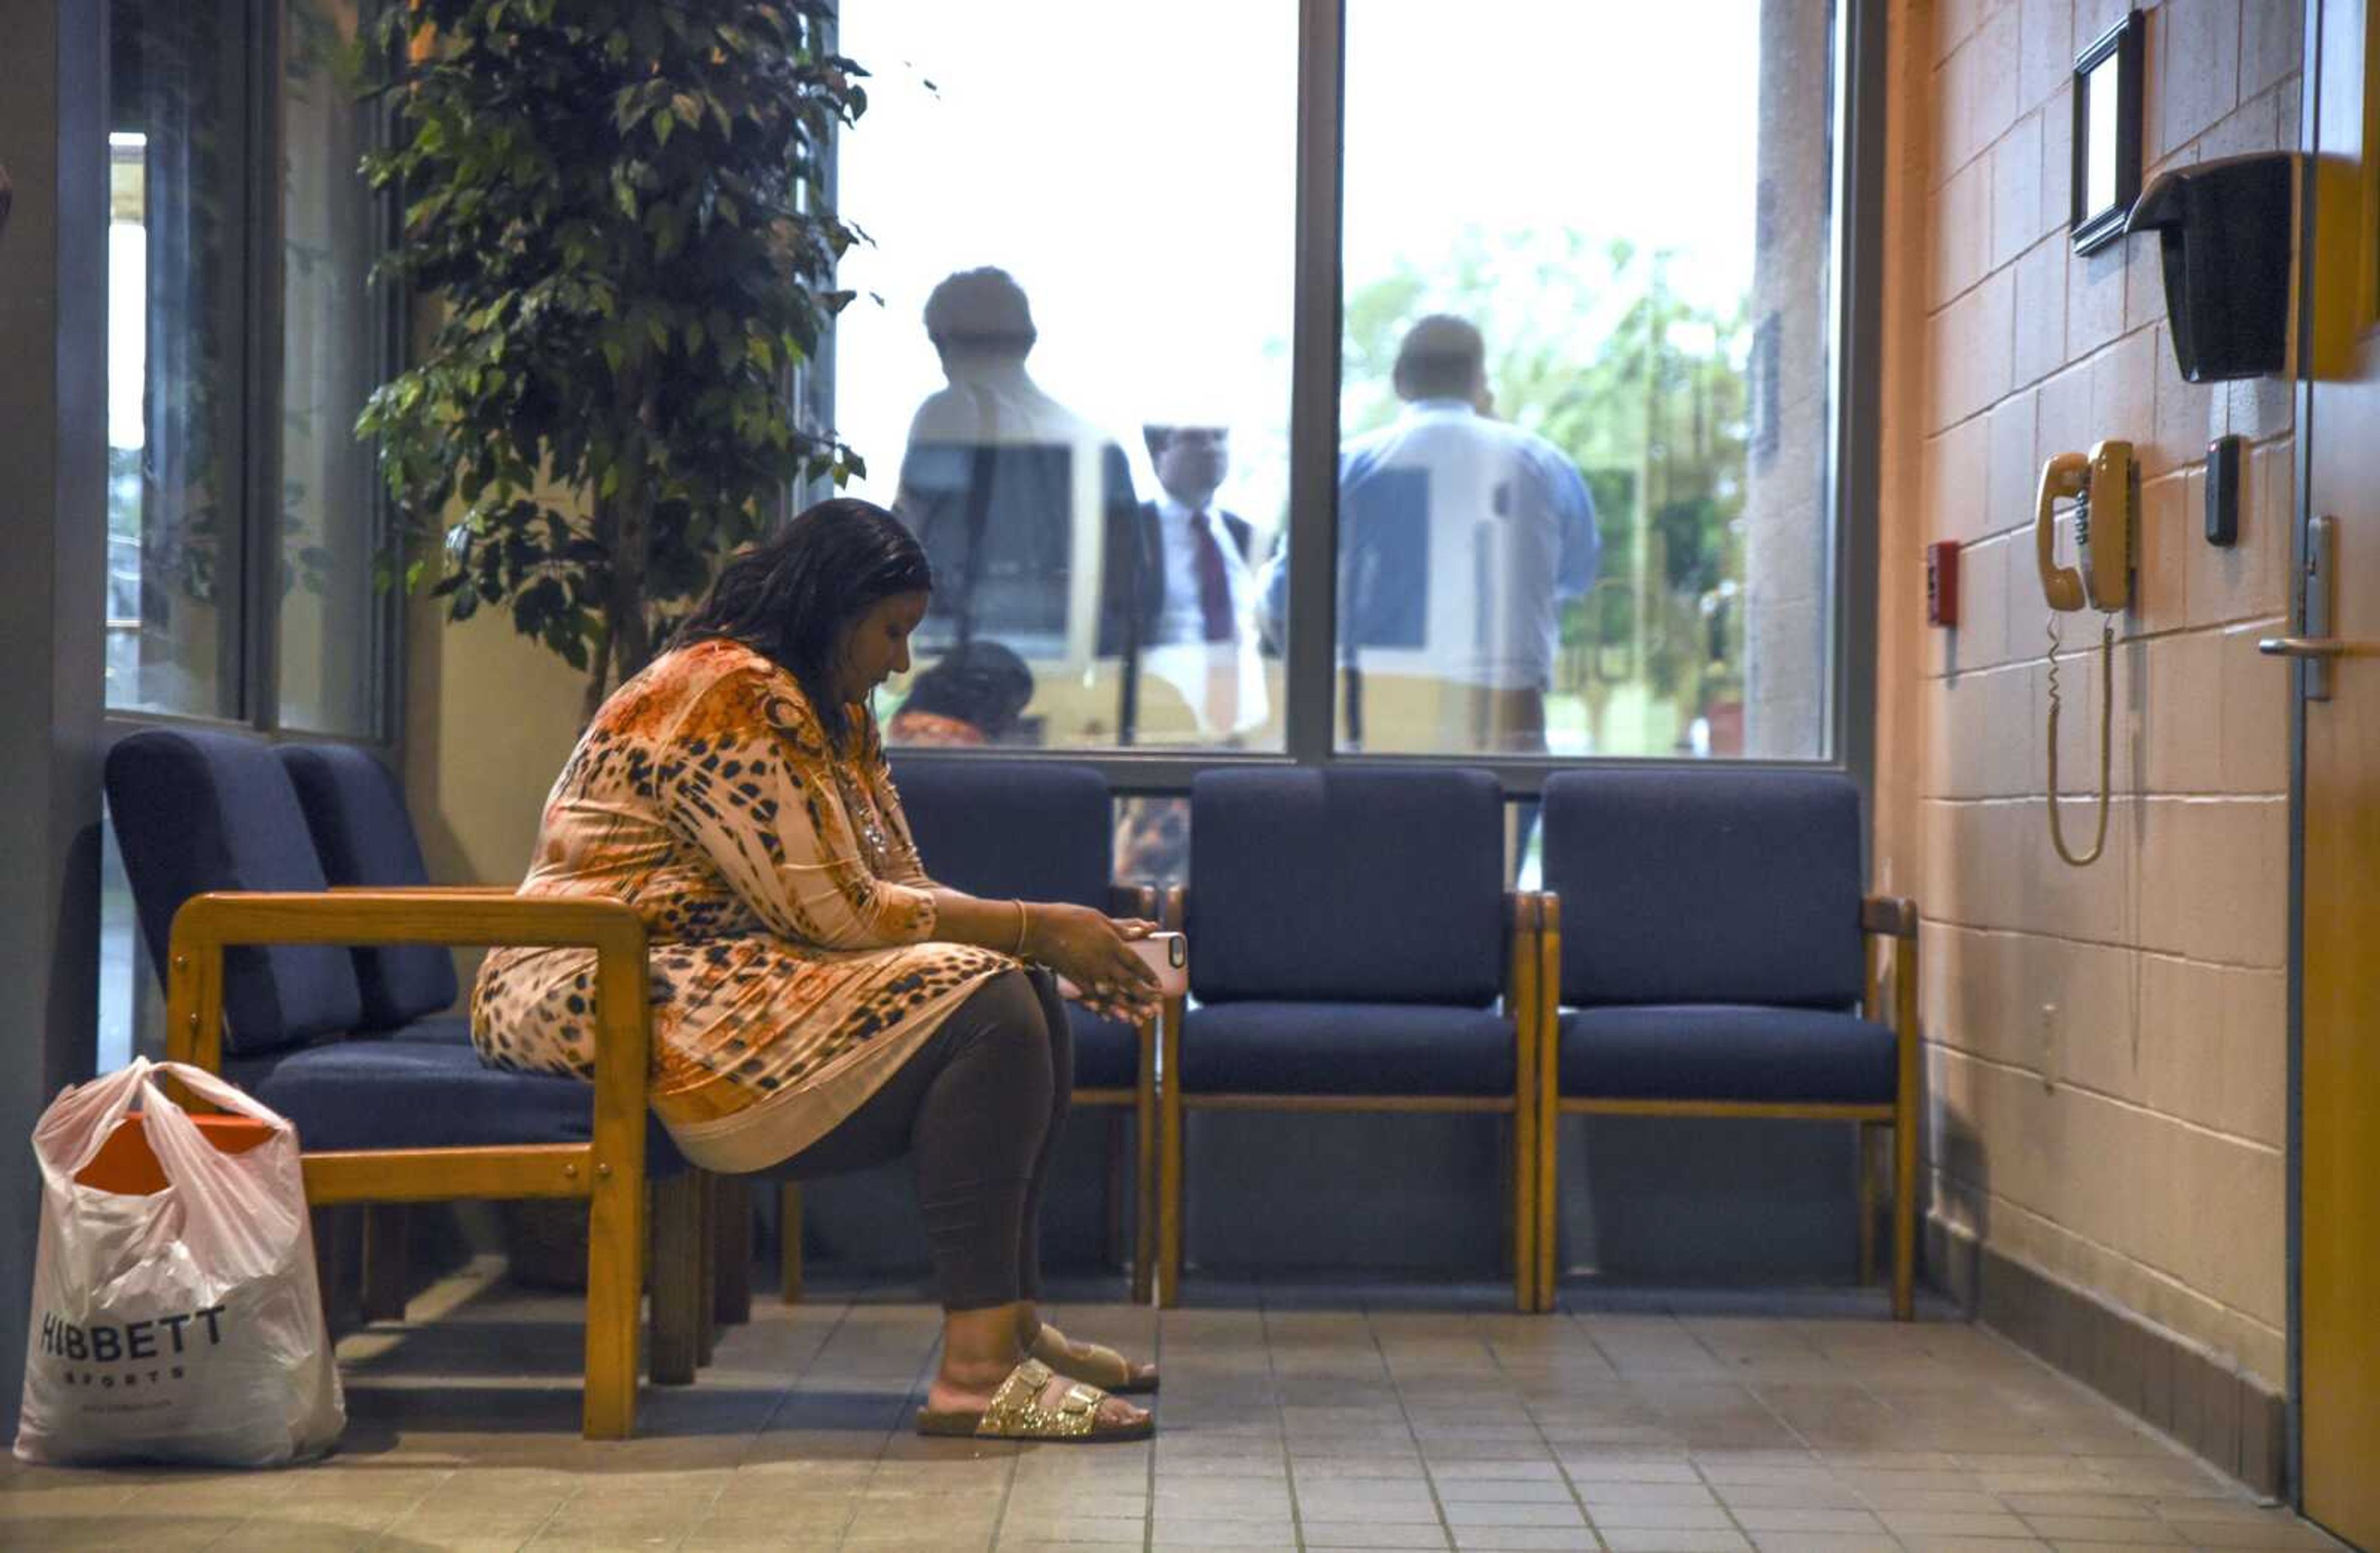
x,y
608,1170
1522,998
1891,926
1123,900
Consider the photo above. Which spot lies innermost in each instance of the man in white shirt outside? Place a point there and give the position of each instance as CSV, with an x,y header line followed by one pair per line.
x,y
1012,494
1459,538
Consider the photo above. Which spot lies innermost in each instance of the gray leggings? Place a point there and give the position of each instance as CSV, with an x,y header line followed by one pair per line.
x,y
976,1108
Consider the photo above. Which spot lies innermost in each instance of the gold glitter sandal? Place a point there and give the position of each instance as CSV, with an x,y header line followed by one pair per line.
x,y
1018,1411
1101,1365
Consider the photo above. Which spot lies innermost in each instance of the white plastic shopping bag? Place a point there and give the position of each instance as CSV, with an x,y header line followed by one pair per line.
x,y
182,1325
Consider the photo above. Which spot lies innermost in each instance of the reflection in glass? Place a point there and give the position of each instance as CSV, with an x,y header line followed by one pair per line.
x,y
2100,96
175,215
1085,421
329,612
1603,527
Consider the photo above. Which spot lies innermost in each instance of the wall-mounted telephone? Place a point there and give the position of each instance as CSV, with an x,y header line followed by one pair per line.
x,y
2103,489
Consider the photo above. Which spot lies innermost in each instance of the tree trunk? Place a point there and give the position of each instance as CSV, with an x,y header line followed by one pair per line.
x,y
624,523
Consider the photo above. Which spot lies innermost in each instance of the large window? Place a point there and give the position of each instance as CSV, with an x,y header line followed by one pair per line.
x,y
1585,352
243,336
1069,364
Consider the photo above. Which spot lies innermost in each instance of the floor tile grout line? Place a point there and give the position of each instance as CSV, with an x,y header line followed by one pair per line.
x,y
1149,1510
1288,1458
784,1399
792,1383
1497,1358
1428,1473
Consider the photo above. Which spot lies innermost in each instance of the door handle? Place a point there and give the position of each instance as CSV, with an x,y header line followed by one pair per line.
x,y
2301,647
2312,644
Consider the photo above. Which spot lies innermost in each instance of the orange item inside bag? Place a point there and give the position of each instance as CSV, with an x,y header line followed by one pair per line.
x,y
125,1166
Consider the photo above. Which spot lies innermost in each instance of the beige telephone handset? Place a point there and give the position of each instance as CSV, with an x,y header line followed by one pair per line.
x,y
2102,489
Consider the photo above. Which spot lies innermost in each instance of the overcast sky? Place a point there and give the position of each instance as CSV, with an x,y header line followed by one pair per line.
x,y
1134,166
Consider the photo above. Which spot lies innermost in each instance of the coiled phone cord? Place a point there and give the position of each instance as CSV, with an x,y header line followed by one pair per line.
x,y
2107,746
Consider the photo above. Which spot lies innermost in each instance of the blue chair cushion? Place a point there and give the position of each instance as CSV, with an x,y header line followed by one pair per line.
x,y
1374,885
199,810
1028,829
374,1093
452,1029
1704,1051
1106,1052
1706,886
1345,1048
355,813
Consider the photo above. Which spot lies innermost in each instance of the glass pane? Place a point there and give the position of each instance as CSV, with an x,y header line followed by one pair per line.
x,y
1584,388
330,356
1068,363
175,226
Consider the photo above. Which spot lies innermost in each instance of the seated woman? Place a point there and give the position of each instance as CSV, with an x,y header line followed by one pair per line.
x,y
819,1004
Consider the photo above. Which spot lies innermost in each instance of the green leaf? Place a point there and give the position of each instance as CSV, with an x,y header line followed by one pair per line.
x,y
665,126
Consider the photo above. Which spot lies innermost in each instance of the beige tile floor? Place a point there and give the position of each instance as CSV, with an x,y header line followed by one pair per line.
x,y
1381,1424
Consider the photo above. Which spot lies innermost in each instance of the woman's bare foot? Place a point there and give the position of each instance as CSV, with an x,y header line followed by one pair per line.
x,y
980,1349
1100,1366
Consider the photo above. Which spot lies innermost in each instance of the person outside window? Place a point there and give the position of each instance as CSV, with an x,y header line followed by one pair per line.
x,y
1459,536
819,1004
1184,578
1004,486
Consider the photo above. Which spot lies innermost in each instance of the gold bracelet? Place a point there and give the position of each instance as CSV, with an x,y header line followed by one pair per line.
x,y
1020,927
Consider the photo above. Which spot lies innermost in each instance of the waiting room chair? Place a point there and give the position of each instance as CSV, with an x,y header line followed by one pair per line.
x,y
261,985
1042,831
1703,955
363,834
1353,949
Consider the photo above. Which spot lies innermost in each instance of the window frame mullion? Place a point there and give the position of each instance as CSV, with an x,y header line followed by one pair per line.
x,y
1309,682
261,341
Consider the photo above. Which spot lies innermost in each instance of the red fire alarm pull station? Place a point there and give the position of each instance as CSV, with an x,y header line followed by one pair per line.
x,y
1942,583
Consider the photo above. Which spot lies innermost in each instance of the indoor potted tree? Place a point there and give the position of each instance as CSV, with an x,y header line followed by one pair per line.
x,y
620,209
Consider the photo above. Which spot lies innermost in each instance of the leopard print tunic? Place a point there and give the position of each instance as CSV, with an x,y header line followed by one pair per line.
x,y
793,962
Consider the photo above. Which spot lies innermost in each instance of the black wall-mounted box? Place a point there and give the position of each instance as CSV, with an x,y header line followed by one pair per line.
x,y
2229,234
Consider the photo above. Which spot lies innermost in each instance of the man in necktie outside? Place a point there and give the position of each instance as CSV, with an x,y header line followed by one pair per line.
x,y
1192,586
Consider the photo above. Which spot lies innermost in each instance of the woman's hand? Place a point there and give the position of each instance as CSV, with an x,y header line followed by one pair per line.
x,y
1093,951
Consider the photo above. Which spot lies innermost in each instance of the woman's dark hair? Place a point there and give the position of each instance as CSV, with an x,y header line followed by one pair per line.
x,y
980,683
793,597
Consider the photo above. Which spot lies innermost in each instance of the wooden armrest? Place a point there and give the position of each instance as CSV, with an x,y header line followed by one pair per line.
x,y
404,915
1892,916
207,925
1176,909
447,890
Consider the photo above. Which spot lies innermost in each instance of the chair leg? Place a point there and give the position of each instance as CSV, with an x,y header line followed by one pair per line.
x,y
336,1265
706,1262
1904,1218
616,1229
1169,1191
1547,1241
789,1243
1863,1183
1144,1201
1523,1216
733,1303
1118,1186
678,1278
384,1269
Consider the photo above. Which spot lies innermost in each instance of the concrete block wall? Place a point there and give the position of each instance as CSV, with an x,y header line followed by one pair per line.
x,y
2105,1048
